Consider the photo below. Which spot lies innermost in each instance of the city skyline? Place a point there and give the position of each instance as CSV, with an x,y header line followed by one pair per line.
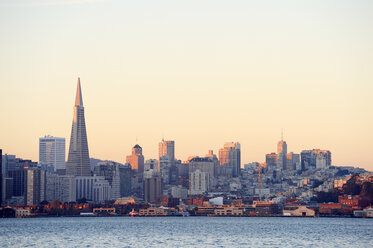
x,y
201,76
79,102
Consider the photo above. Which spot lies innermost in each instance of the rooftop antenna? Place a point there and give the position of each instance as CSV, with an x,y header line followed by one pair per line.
x,y
282,134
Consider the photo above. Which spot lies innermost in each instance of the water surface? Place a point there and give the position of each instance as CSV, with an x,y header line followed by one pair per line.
x,y
186,232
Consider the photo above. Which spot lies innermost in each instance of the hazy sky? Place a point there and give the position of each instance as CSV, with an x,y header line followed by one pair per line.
x,y
198,72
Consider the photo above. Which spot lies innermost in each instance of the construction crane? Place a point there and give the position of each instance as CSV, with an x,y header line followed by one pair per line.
x,y
260,182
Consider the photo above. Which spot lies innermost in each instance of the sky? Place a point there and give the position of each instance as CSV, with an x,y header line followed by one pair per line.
x,y
201,73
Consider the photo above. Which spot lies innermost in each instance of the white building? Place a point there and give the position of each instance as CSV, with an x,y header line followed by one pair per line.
x,y
199,182
101,191
87,186
61,187
52,153
321,161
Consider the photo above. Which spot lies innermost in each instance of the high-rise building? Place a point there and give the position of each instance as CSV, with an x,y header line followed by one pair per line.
x,y
61,187
216,161
165,165
167,147
271,160
136,159
78,163
36,186
9,162
281,154
7,188
152,189
101,191
52,153
110,171
230,156
292,161
94,188
202,164
125,177
19,178
199,182
316,158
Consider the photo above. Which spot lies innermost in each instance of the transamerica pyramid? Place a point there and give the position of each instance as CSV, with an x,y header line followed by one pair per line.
x,y
78,160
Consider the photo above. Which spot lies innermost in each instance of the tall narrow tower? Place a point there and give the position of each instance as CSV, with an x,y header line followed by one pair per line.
x,y
78,160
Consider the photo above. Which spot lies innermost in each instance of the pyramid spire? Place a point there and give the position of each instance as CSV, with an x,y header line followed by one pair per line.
x,y
78,98
78,163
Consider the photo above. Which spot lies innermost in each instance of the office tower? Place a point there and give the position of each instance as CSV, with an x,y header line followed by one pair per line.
x,y
101,191
36,186
316,158
271,160
19,178
152,189
125,177
110,171
216,161
93,188
199,182
7,188
136,159
230,158
165,165
115,184
297,161
281,154
1,177
52,153
78,163
60,187
15,169
167,148
202,164
9,162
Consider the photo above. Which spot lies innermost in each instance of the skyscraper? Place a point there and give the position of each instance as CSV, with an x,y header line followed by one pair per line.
x,y
199,182
35,189
136,159
166,152
167,148
281,154
152,189
52,153
316,158
230,156
78,160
